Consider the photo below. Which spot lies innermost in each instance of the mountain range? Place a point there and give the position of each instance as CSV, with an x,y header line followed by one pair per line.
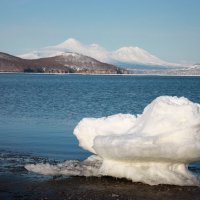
x,y
72,56
77,63
124,55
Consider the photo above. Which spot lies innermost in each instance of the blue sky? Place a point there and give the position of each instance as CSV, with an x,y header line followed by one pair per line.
x,y
169,29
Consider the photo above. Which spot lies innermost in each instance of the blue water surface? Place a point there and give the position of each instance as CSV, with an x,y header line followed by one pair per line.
x,y
38,112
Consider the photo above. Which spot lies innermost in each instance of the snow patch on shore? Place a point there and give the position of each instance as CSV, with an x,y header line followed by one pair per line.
x,y
88,167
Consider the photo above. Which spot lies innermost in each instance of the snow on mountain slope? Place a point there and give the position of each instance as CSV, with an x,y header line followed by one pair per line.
x,y
136,55
130,55
93,50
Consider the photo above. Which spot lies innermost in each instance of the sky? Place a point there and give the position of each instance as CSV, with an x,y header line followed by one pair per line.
x,y
169,29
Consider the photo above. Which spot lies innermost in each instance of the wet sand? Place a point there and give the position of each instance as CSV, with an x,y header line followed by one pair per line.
x,y
21,187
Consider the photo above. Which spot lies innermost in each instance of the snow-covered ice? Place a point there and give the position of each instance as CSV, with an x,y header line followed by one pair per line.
x,y
154,147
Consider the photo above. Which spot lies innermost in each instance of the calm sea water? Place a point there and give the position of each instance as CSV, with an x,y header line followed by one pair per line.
x,y
39,112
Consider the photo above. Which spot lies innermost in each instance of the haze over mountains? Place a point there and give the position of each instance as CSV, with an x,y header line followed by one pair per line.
x,y
125,55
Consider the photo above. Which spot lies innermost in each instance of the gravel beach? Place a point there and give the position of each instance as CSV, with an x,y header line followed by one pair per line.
x,y
21,187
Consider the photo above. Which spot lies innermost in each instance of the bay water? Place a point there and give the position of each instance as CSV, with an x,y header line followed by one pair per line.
x,y
38,112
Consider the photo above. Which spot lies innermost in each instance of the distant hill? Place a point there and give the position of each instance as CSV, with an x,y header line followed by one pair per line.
x,y
65,63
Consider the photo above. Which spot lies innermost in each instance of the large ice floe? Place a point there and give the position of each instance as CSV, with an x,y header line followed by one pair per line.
x,y
154,147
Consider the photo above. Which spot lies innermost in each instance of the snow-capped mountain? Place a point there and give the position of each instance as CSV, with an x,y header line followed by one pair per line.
x,y
136,55
70,45
129,55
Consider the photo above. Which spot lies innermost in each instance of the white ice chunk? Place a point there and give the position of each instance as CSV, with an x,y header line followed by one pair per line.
x,y
89,128
154,147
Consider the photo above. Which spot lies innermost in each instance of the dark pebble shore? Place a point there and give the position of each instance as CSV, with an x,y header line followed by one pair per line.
x,y
14,187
